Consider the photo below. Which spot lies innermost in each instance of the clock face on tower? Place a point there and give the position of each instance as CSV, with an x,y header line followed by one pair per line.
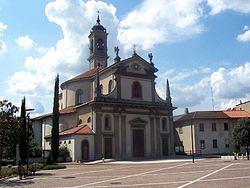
x,y
100,44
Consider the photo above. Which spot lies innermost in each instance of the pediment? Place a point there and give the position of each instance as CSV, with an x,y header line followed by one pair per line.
x,y
136,65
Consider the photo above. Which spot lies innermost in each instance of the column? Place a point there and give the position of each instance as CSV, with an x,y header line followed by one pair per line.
x,y
123,136
117,136
152,135
158,137
98,136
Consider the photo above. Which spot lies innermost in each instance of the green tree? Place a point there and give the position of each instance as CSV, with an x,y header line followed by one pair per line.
x,y
10,142
8,121
241,133
23,134
55,123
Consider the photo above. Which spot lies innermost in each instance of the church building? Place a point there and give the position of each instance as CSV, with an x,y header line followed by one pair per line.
x,y
111,111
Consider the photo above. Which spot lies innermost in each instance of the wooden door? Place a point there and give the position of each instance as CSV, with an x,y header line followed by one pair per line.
x,y
85,150
164,146
107,148
138,143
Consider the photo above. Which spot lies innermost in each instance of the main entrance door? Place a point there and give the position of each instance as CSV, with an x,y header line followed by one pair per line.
x,y
164,141
107,148
138,142
85,150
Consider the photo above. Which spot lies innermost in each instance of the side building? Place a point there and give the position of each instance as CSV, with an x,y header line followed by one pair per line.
x,y
209,131
243,106
112,111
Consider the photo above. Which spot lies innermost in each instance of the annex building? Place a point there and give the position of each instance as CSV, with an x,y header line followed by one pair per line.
x,y
210,132
111,111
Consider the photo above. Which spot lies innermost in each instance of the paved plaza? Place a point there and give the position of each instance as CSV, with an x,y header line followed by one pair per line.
x,y
164,173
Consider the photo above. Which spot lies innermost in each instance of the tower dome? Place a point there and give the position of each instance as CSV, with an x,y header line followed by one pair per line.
x,y
98,26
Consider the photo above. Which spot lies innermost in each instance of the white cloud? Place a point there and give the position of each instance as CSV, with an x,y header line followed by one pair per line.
x,y
2,28
3,47
244,37
225,86
42,50
191,95
246,27
186,95
160,21
218,6
25,41
182,75
75,18
231,83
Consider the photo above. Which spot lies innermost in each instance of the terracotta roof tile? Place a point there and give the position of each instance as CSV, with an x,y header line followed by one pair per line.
x,y
87,74
41,117
237,114
212,115
67,110
81,129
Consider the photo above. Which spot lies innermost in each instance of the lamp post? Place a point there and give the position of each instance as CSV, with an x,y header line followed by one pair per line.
x,y
27,137
192,141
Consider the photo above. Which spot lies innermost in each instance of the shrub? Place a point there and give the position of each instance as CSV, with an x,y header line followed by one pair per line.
x,y
54,167
35,167
35,152
64,152
8,172
6,162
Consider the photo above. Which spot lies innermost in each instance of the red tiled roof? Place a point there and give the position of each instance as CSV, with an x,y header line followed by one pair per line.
x,y
87,74
81,129
237,114
212,115
67,110
41,117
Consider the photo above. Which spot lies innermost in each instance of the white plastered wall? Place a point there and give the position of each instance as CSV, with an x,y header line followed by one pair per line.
x,y
126,88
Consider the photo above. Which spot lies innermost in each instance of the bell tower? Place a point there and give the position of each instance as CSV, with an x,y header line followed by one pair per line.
x,y
98,46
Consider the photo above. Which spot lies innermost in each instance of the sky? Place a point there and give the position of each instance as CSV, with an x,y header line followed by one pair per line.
x,y
201,46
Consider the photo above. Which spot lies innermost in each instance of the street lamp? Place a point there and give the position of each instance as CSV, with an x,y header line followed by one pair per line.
x,y
192,141
27,136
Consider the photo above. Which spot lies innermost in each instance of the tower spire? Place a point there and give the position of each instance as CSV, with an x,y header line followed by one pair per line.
x,y
98,19
168,95
98,45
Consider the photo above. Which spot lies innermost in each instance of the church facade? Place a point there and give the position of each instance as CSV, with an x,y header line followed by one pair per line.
x,y
112,111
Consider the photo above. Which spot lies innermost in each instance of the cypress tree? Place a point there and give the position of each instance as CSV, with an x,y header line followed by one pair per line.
x,y
55,123
23,134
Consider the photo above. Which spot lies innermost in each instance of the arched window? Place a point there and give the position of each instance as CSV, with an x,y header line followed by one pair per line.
x,y
79,97
107,123
79,122
110,85
101,88
164,124
89,120
136,90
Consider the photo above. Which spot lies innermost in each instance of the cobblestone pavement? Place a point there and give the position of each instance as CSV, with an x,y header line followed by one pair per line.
x,y
203,173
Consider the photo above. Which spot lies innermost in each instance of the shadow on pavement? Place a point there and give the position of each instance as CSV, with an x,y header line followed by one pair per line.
x,y
41,174
15,182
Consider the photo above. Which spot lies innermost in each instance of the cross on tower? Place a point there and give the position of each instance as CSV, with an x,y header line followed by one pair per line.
x,y
134,48
98,19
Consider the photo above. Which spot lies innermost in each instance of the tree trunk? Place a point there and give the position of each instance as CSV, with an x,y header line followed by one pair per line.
x,y
1,149
247,152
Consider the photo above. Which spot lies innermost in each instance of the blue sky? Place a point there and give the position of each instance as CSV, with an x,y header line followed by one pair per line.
x,y
201,46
